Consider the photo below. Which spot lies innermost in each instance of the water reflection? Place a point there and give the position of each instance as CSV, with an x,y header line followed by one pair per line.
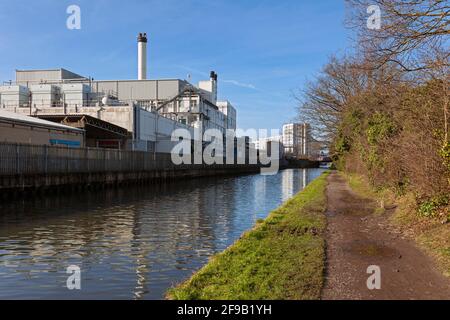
x,y
131,242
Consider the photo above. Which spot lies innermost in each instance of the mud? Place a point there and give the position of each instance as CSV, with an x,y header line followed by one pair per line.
x,y
357,238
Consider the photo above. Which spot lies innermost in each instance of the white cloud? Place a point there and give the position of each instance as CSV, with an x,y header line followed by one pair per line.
x,y
205,74
240,84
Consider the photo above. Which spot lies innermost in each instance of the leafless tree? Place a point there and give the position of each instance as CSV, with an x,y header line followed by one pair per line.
x,y
323,100
410,31
385,109
414,35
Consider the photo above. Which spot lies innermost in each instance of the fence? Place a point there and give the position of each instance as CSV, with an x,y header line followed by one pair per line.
x,y
24,159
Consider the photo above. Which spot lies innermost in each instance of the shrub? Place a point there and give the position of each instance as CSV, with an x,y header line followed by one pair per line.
x,y
430,207
380,127
445,154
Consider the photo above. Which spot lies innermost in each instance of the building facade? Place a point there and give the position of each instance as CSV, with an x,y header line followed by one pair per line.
x,y
17,128
296,140
149,109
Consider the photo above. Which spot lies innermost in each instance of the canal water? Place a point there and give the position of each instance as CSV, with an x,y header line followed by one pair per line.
x,y
131,243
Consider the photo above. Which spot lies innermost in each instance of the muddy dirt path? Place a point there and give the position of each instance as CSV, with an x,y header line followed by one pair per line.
x,y
357,239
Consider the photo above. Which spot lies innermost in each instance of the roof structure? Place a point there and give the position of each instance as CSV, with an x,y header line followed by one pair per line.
x,y
20,118
94,127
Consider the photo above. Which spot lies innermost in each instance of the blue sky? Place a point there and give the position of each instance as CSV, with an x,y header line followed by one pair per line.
x,y
261,50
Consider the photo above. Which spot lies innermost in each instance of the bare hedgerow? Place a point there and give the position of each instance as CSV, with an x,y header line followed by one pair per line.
x,y
414,35
383,112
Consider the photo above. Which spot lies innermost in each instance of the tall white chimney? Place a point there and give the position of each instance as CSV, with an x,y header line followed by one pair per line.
x,y
142,56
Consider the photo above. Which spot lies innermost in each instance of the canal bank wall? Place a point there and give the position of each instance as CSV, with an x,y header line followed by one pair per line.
x,y
301,164
38,168
81,180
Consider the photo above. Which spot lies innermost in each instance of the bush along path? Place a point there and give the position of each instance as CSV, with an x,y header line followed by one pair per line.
x,y
283,256
361,240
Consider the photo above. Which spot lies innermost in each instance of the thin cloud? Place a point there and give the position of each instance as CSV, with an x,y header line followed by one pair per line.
x,y
204,74
240,84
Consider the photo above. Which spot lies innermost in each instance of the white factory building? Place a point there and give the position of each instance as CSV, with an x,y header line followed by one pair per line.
x,y
149,109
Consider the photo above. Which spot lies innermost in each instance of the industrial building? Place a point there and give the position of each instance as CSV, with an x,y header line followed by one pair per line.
x,y
18,128
148,109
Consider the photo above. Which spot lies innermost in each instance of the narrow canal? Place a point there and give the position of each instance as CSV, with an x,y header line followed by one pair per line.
x,y
131,243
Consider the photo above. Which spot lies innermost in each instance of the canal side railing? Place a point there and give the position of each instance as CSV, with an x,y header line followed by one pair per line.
x,y
27,159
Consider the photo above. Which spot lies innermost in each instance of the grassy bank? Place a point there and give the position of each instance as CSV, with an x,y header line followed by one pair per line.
x,y
431,234
282,257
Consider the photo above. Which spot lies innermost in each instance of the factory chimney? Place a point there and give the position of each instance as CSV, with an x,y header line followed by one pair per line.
x,y
210,86
142,56
213,79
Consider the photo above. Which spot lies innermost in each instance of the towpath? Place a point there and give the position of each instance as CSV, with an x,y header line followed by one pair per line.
x,y
357,238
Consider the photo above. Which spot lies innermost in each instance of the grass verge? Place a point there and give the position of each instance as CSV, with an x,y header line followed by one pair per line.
x,y
430,234
282,257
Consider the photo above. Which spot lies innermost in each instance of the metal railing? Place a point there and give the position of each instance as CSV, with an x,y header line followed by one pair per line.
x,y
27,159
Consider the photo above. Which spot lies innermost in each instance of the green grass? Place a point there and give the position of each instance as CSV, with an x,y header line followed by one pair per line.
x,y
361,187
282,257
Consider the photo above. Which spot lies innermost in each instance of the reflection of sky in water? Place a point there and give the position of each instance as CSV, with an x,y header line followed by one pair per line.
x,y
131,242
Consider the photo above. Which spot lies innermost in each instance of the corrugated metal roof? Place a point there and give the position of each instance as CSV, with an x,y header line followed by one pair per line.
x,y
11,116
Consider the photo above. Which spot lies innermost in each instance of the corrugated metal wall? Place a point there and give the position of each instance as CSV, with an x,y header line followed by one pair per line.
x,y
126,89
24,159
141,89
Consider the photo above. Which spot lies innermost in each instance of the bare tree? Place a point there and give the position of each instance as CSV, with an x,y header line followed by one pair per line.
x,y
414,34
384,111
410,31
323,100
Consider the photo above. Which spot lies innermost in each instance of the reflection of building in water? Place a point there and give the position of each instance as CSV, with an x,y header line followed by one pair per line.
x,y
287,184
216,204
177,220
260,193
189,218
134,239
304,178
145,225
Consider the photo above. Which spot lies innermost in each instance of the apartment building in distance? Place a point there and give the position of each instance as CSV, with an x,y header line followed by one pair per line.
x,y
296,140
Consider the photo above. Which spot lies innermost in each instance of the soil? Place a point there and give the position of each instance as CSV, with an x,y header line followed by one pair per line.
x,y
358,238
